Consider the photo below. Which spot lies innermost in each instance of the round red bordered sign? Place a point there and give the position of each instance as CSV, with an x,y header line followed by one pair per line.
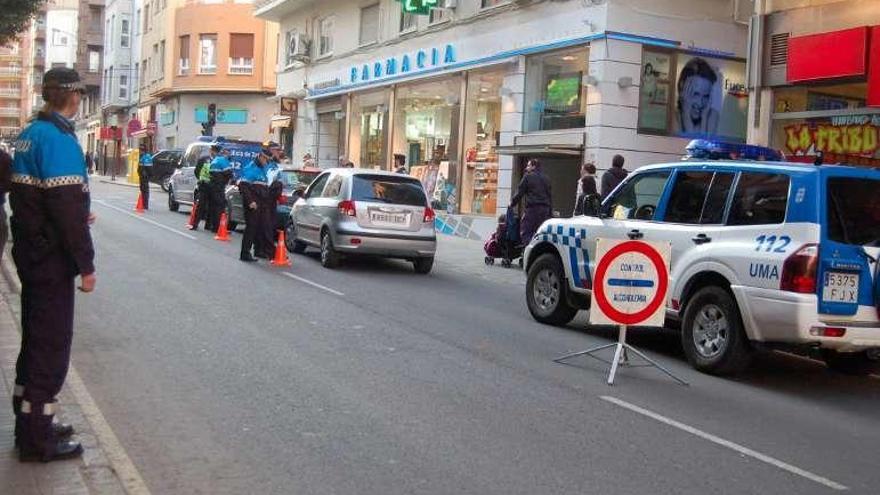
x,y
659,298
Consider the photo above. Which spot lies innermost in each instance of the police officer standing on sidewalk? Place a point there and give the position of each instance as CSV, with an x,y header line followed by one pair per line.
x,y
145,168
221,173
253,187
52,245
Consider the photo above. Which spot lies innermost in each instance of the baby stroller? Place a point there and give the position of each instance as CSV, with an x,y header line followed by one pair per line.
x,y
505,242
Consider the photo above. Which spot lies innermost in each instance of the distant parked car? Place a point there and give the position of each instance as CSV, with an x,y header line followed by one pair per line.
x,y
292,180
183,183
165,163
352,212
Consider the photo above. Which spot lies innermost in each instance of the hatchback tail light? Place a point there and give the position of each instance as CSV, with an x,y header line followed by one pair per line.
x,y
799,270
429,215
348,208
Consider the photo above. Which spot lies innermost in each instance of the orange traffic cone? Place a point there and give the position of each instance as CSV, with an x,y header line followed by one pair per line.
x,y
192,216
281,258
139,207
222,232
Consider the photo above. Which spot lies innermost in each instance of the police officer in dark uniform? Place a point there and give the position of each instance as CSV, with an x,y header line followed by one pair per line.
x,y
221,173
202,194
52,245
145,168
254,188
268,210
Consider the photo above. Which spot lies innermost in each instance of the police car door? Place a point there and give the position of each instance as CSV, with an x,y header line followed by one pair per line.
x,y
629,213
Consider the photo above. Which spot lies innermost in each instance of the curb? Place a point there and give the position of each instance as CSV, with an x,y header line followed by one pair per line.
x,y
153,187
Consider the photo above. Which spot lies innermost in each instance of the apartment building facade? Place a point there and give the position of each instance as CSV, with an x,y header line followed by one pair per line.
x,y
13,97
200,52
815,78
471,91
89,62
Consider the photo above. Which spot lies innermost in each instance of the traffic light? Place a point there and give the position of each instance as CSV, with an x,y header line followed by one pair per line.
x,y
212,114
420,7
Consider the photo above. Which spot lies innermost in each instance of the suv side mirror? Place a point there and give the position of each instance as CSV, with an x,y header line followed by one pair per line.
x,y
592,205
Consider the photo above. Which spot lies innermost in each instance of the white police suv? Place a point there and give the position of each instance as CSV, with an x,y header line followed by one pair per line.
x,y
764,253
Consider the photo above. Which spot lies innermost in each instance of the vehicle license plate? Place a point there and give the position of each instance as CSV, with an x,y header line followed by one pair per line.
x,y
383,218
841,287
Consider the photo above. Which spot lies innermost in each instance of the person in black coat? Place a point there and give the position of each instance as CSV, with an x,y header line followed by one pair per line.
x,y
535,189
586,187
613,176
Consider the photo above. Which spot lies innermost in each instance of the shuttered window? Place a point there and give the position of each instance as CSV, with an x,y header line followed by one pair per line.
x,y
241,53
369,24
183,62
779,49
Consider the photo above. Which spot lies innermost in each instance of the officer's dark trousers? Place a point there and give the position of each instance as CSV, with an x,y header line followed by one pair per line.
x,y
144,177
47,329
251,229
203,198
266,242
217,204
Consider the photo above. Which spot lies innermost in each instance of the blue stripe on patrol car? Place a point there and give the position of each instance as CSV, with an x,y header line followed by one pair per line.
x,y
575,270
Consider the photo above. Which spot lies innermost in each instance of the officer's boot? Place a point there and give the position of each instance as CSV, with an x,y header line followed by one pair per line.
x,y
62,430
38,440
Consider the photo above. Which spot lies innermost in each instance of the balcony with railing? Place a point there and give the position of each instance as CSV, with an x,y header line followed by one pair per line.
x,y
10,131
7,72
275,10
10,111
10,92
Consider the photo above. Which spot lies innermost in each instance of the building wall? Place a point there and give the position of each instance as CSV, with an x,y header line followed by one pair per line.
x,y
61,23
121,59
186,129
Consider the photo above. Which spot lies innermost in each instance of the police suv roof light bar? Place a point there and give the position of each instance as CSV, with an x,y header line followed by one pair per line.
x,y
706,149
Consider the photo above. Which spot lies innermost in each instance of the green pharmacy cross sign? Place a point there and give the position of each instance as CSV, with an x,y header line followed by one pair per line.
x,y
419,7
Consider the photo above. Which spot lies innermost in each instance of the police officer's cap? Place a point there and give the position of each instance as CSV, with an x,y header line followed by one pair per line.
x,y
217,147
63,78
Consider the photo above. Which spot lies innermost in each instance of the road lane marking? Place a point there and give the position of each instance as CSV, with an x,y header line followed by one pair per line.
x,y
727,443
313,284
151,222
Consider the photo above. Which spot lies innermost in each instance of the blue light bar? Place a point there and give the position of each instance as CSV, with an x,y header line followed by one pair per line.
x,y
706,149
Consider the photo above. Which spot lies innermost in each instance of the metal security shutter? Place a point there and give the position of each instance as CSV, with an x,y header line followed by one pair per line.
x,y
779,49
369,24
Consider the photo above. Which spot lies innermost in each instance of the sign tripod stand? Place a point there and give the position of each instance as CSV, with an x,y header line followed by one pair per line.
x,y
629,288
621,358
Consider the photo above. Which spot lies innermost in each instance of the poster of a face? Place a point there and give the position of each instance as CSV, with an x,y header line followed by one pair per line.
x,y
710,98
654,94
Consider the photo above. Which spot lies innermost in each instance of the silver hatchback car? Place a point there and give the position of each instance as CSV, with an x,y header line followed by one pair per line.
x,y
364,212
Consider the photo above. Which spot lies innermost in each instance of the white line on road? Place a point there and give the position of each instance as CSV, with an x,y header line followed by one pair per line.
x,y
313,284
151,222
727,443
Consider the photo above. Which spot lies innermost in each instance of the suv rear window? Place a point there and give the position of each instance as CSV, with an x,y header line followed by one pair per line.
x,y
854,211
388,189
760,199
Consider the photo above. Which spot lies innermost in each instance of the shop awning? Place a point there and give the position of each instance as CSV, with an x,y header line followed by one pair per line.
x,y
540,150
279,121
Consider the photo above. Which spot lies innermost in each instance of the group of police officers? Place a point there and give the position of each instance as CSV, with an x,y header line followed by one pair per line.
x,y
259,186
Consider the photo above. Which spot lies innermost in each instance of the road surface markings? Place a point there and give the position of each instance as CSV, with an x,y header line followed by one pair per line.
x,y
151,222
313,284
726,443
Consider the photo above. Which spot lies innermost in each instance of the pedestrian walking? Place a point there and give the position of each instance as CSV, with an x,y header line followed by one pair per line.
x,y
399,163
534,189
586,187
308,161
90,162
52,245
145,169
253,187
5,177
221,173
613,176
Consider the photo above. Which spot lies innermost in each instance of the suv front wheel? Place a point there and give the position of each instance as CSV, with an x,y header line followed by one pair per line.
x,y
712,333
546,292
172,204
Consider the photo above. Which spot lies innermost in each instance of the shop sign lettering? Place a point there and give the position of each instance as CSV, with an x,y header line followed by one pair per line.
x,y
852,139
405,64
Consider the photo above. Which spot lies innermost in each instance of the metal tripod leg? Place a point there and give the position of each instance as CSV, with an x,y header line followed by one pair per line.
x,y
656,365
588,352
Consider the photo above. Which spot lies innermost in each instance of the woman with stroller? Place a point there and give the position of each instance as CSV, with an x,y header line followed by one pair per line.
x,y
534,188
586,187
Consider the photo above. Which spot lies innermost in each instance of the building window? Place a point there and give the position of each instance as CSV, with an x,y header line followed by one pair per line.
x,y
145,71
325,37
369,25
123,86
60,38
207,54
136,78
137,19
146,17
691,104
482,131
292,48
125,34
438,15
368,141
555,94
241,53
112,30
162,58
154,62
94,60
183,61
485,4
408,22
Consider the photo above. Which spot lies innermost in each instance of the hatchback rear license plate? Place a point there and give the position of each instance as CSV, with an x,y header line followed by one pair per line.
x,y
841,287
381,218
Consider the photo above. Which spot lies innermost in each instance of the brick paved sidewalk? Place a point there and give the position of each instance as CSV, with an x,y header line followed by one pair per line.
x,y
92,474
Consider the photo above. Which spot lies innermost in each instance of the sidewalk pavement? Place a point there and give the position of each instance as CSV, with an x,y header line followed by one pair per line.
x,y
466,256
90,475
121,180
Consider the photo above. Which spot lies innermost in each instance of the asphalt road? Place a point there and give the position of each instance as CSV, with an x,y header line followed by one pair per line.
x,y
220,377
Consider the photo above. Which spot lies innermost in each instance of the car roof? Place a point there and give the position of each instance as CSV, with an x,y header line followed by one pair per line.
x,y
367,171
311,170
765,166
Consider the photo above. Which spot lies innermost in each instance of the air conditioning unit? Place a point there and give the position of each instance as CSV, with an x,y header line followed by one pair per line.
x,y
447,4
300,48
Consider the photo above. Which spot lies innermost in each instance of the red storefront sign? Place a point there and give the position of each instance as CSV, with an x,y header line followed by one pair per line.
x,y
134,125
874,69
828,55
110,133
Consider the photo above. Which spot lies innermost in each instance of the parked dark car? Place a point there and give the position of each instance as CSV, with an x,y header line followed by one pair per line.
x,y
293,179
165,163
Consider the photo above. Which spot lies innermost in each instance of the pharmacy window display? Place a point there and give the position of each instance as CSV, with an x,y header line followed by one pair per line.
x,y
556,97
368,140
426,123
479,191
